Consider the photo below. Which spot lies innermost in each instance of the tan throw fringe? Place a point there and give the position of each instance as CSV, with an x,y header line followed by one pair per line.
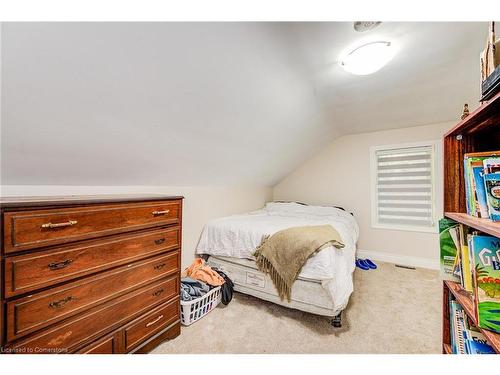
x,y
284,290
264,265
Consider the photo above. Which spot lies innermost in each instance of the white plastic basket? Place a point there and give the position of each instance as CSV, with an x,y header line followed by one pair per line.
x,y
191,311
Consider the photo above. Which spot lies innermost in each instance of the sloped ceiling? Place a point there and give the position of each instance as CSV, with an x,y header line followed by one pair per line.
x,y
435,71
211,103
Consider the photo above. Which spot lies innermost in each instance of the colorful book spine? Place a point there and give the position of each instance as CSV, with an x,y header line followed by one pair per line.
x,y
468,200
472,268
477,166
457,328
471,161
451,307
481,200
465,259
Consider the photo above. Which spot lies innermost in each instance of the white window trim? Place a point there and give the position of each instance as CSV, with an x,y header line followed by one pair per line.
x,y
437,190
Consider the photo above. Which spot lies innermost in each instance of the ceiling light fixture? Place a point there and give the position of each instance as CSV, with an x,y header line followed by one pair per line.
x,y
362,26
367,58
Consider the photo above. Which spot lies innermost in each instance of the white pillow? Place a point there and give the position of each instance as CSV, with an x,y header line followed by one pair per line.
x,y
300,208
318,212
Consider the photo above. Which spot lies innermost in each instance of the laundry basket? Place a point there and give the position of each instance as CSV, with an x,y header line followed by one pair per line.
x,y
191,311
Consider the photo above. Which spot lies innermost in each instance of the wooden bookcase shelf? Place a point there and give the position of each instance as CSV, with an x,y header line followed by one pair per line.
x,y
478,132
484,225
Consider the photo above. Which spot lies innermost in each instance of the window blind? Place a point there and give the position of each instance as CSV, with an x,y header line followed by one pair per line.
x,y
404,190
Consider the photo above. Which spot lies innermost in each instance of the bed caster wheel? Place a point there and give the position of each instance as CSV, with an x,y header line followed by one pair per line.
x,y
337,321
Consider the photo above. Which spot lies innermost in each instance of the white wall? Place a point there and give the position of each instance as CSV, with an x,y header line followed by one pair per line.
x,y
201,203
340,175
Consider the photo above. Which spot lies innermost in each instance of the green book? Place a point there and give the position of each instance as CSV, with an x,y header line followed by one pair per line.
x,y
449,244
486,250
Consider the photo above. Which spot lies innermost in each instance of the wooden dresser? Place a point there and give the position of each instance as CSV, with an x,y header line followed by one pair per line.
x,y
95,274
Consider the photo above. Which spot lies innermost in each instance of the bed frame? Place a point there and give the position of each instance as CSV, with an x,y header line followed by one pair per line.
x,y
307,295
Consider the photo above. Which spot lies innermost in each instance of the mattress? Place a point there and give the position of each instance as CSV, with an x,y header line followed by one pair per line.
x,y
238,236
307,294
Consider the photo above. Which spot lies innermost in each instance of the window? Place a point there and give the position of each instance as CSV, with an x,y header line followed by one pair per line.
x,y
403,187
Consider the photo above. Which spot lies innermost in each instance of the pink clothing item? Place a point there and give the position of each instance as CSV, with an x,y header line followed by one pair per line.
x,y
200,271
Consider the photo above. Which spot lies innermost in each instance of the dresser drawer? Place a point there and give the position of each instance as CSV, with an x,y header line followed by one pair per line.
x,y
82,329
108,345
152,323
25,273
33,312
39,228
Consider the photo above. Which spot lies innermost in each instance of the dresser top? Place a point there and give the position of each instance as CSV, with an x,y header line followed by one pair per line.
x,y
37,201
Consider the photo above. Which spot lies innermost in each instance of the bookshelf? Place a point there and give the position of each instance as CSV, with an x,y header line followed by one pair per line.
x,y
465,300
480,131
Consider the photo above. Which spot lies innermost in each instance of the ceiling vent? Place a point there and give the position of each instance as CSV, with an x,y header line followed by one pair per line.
x,y
362,26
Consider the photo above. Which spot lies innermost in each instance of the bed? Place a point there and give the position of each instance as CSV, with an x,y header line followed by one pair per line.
x,y
325,282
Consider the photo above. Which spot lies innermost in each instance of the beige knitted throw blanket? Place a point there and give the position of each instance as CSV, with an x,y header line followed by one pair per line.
x,y
282,255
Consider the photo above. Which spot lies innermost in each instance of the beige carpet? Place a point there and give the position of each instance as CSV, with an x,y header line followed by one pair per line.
x,y
392,310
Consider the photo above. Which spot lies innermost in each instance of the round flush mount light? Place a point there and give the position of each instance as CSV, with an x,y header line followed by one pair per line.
x,y
362,26
368,58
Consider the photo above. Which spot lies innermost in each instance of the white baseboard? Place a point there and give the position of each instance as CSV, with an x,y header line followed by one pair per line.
x,y
404,260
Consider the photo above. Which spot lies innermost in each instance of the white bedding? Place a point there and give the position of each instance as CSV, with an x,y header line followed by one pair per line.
x,y
238,236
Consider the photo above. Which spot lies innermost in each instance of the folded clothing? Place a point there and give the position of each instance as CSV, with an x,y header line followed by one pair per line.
x,y
191,289
200,271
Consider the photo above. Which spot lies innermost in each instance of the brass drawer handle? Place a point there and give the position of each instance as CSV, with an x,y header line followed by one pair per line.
x,y
154,321
60,225
158,292
58,266
60,304
159,241
158,213
159,266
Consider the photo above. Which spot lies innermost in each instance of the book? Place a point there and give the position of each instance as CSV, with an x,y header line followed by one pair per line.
x,y
492,187
475,347
468,200
472,268
475,341
486,251
480,191
457,328
471,161
451,307
491,165
476,166
465,259
449,248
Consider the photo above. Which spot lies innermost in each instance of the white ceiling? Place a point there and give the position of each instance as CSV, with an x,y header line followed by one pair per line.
x,y
435,71
212,103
